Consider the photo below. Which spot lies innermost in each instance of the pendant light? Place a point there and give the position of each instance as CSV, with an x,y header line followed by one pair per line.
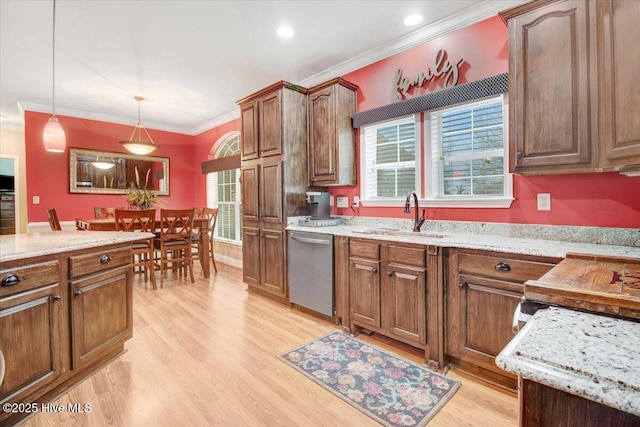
x,y
136,144
53,135
103,164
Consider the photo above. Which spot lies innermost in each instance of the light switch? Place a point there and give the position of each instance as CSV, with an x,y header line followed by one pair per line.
x,y
36,200
343,202
544,201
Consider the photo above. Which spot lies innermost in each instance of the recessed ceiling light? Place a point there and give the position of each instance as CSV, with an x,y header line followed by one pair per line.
x,y
413,20
285,32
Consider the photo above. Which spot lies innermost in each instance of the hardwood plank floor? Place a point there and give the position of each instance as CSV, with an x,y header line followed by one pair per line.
x,y
205,354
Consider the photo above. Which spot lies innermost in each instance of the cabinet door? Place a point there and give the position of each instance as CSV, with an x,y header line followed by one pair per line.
x,y
101,314
270,124
618,33
250,191
30,339
272,270
271,190
364,282
479,315
549,89
404,312
251,254
322,137
249,135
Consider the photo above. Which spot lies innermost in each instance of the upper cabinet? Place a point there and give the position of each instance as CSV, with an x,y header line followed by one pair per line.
x,y
573,104
331,135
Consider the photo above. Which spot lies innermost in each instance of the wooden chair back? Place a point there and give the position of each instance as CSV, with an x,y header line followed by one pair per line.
x,y
102,213
53,219
212,216
128,220
176,224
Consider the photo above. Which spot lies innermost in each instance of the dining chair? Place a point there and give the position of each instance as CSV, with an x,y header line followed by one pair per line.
x,y
142,251
101,213
212,217
174,243
53,219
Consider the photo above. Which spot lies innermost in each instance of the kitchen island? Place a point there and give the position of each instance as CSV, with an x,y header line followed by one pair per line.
x,y
66,309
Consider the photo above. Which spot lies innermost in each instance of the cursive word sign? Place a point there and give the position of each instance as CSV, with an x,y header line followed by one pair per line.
x,y
441,67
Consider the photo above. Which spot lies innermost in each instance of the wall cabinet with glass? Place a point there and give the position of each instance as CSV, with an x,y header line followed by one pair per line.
x,y
274,181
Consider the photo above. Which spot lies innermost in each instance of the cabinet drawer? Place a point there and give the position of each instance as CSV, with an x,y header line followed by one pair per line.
x,y
5,204
7,213
24,278
94,262
364,249
7,197
502,267
414,256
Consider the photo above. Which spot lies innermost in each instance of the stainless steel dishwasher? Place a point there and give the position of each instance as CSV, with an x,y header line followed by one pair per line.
x,y
310,270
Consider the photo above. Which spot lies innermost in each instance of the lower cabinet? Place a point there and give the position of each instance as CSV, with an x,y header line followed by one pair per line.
x,y
263,253
61,317
390,293
483,289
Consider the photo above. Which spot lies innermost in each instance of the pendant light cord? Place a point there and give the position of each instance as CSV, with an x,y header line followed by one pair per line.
x,y
53,60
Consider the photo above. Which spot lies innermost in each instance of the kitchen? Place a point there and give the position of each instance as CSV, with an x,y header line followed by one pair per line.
x,y
582,205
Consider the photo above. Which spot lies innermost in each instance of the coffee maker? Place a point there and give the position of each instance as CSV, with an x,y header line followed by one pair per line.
x,y
319,205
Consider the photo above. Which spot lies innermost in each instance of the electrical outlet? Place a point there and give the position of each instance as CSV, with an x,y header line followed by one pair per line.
x,y
36,200
356,201
343,202
544,201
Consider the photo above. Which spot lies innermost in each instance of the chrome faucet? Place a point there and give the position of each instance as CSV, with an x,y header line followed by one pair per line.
x,y
417,222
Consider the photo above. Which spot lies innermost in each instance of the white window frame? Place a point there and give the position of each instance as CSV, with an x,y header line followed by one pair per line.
x,y
434,174
369,200
212,191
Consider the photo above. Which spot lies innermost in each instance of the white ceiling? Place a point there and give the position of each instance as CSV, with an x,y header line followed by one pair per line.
x,y
192,60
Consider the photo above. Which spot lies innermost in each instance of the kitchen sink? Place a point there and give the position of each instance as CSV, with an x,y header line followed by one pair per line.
x,y
399,233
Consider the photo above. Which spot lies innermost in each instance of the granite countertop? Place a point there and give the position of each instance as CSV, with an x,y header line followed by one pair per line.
x,y
588,355
502,238
19,246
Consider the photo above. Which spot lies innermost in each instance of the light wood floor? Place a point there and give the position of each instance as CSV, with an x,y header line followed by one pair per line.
x,y
205,354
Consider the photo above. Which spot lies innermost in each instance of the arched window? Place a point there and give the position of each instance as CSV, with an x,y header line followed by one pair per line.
x,y
223,192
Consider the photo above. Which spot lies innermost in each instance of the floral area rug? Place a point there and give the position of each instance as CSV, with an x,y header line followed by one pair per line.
x,y
389,389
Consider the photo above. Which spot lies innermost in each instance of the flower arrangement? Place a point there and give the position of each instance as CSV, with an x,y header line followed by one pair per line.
x,y
139,197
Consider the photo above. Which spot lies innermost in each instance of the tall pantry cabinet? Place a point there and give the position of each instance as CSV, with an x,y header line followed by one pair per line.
x,y
274,181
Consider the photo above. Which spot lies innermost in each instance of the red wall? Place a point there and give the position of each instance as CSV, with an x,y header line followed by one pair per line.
x,y
605,199
48,173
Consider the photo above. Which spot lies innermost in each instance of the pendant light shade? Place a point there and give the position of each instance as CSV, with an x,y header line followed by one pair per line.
x,y
136,143
53,136
102,164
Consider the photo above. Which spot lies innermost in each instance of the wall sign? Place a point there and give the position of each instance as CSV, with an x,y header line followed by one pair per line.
x,y
441,67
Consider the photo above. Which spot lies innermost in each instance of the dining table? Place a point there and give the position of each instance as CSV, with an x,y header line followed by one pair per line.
x,y
201,224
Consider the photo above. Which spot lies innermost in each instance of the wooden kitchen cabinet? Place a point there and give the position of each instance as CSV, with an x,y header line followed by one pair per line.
x,y
61,317
7,213
482,292
573,102
274,181
31,329
332,144
395,290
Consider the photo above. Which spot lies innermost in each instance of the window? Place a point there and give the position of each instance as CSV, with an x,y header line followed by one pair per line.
x,y
223,192
389,159
465,157
468,144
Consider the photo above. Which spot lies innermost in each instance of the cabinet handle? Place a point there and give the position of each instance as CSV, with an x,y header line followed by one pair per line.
x,y
519,157
105,259
375,270
1,367
78,293
57,298
10,280
390,273
503,266
463,285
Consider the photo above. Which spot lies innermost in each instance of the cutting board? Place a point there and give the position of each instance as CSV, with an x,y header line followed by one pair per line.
x,y
590,282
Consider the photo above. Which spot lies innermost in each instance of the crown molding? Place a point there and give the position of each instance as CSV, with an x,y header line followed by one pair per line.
x,y
38,108
476,13
225,118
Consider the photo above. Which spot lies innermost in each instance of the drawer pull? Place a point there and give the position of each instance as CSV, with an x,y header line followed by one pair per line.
x,y
503,266
105,259
78,293
463,285
390,274
10,280
57,298
375,270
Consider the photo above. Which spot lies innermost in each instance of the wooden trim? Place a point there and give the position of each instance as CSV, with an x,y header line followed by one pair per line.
x,y
276,86
221,164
